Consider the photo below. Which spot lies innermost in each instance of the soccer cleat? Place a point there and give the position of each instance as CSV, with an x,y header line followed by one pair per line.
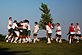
x,y
48,42
37,39
6,40
60,41
77,41
20,40
14,42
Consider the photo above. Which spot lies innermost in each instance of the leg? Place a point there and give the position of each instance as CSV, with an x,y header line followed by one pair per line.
x,y
49,38
60,40
70,39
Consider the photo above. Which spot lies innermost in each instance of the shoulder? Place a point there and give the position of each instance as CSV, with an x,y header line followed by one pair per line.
x,y
46,25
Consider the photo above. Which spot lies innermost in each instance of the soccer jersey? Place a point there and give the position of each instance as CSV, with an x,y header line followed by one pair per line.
x,y
24,25
72,30
14,25
78,29
58,30
48,29
29,27
9,24
36,28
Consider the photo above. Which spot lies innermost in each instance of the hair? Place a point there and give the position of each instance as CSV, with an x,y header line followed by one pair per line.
x,y
58,23
36,22
15,21
26,20
77,23
21,22
71,23
10,17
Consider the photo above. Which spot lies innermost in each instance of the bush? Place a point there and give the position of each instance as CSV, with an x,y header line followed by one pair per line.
x,y
2,37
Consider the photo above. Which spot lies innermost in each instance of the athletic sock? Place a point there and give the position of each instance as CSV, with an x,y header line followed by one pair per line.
x,y
70,41
34,40
6,37
57,39
60,41
16,38
30,40
51,38
24,41
20,40
49,41
37,39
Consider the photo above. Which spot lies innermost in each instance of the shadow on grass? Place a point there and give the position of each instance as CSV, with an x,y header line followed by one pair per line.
x,y
5,51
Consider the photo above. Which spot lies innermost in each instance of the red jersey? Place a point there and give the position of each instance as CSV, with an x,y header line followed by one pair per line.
x,y
72,29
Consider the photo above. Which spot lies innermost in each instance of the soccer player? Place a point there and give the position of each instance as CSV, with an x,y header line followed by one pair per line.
x,y
29,32
25,27
49,32
78,32
72,33
21,31
10,30
35,31
15,32
58,33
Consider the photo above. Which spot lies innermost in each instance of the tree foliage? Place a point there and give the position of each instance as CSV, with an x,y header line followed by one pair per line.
x,y
45,16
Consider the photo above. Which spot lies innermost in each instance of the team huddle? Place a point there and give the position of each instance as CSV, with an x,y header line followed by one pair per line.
x,y
20,32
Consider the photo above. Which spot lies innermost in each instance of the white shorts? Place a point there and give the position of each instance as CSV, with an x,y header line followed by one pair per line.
x,y
59,33
72,32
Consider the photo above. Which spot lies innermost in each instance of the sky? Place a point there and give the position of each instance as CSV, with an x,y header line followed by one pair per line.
x,y
62,11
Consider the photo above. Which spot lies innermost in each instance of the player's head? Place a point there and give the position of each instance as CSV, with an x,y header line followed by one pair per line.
x,y
15,21
10,18
77,23
72,24
58,24
26,20
36,23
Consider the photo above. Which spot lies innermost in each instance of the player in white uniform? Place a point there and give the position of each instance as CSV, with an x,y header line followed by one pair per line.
x,y
10,30
78,32
49,32
29,32
16,32
25,27
20,27
35,31
58,33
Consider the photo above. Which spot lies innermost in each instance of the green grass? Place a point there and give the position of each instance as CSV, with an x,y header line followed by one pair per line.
x,y
40,48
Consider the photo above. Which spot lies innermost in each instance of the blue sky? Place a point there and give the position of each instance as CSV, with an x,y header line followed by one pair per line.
x,y
62,11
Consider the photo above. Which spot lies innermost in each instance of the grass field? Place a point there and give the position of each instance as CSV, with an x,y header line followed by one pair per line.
x,y
40,48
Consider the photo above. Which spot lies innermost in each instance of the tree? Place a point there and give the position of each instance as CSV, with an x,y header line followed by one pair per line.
x,y
45,16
